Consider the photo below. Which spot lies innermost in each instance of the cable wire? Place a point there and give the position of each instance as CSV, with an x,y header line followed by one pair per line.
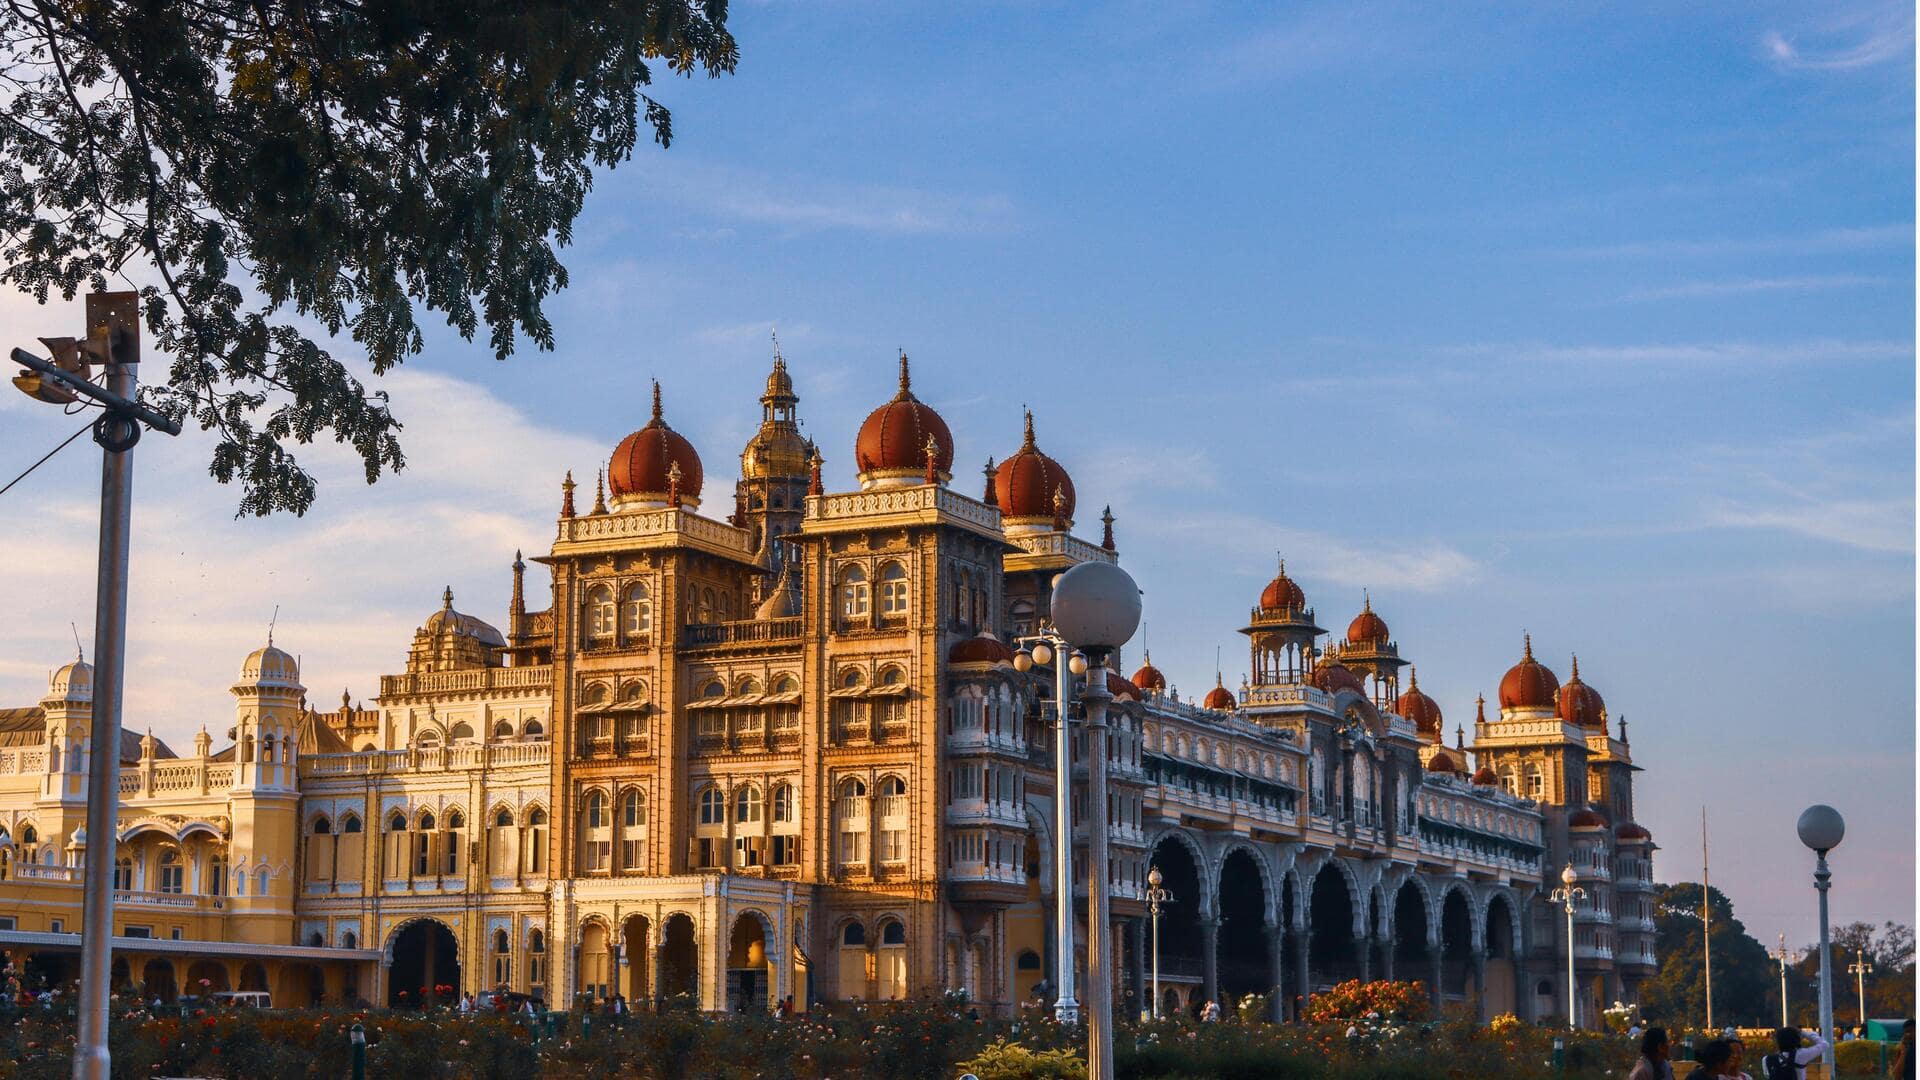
x,y
88,426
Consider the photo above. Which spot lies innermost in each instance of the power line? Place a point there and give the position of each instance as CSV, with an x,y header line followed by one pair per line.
x,y
63,445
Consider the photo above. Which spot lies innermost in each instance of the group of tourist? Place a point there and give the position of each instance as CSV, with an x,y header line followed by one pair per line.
x,y
1723,1058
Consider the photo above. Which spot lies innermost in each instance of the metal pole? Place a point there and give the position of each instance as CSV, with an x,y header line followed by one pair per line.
x,y
1065,1008
1573,1001
91,1058
1706,916
1156,958
1822,878
1099,882
1783,980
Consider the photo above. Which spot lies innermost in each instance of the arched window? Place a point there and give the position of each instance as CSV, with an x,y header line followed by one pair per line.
x,y
854,600
893,820
423,845
456,843
713,806
503,819
782,804
891,967
853,934
349,940
536,959
633,824
893,932
1020,618
601,615
850,813
503,729
596,809
596,834
893,590
29,835
350,823
784,704
536,845
217,876
534,728
725,606
260,879
123,873
172,873
636,610
502,958
322,827
746,805
706,605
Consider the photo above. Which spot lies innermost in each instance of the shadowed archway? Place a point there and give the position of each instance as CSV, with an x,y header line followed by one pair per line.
x,y
1331,954
1243,951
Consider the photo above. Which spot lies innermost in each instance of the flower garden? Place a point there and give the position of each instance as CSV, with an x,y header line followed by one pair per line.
x,y
1377,1030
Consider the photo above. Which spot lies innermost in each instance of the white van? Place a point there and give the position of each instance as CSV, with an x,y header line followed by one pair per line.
x,y
243,999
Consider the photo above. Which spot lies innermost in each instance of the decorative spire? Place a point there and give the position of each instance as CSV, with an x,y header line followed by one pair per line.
x,y
1413,678
814,486
656,405
1480,709
673,485
1027,442
1576,668
1366,600
566,495
517,606
1529,638
446,598
933,445
1460,739
906,377
346,699
1106,528
1623,729
600,491
992,497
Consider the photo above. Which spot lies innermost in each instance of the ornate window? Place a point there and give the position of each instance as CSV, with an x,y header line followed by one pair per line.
x,y
123,873
596,839
747,805
786,706
893,820
633,830
536,959
893,590
502,958
636,610
601,616
1020,618
854,598
783,808
850,818
536,841
713,806
455,845
423,846
173,875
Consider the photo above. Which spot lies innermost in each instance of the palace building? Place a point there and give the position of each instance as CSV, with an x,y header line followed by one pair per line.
x,y
779,749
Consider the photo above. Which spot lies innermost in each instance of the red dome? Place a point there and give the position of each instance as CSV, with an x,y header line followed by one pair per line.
x,y
1367,627
1149,677
893,440
1441,761
1121,689
1485,777
982,648
1419,709
1581,704
1528,684
1334,676
1220,697
1281,592
1025,484
1627,830
1585,819
643,463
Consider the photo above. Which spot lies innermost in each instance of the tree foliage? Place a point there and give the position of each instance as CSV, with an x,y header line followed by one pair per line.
x,y
1744,977
266,169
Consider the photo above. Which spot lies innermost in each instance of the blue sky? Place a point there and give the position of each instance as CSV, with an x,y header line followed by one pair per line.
x,y
1590,321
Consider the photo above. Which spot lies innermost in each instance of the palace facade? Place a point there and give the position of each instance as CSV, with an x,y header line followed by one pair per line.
x,y
783,752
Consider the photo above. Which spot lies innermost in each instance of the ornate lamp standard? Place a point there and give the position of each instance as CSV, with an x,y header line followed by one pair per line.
x,y
1567,894
1042,650
1860,969
1096,606
1781,955
1822,828
1155,897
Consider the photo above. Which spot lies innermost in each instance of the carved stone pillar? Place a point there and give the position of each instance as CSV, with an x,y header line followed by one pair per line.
x,y
1477,982
1434,955
1364,946
1302,977
1210,958
1276,973
1137,976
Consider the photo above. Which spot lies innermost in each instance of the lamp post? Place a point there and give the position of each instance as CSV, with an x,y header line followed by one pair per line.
x,y
1860,969
1155,897
1046,647
1822,828
1567,894
1781,956
1096,607
112,342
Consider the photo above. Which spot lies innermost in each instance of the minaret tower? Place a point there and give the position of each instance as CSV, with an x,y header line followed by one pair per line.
x,y
770,498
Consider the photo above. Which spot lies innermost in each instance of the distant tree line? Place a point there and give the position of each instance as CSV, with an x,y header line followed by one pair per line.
x,y
1746,977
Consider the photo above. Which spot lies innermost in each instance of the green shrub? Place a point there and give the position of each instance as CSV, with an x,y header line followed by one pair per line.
x,y
1002,1060
1861,1057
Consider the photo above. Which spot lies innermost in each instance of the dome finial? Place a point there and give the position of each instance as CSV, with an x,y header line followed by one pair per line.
x,y
906,376
1366,599
1576,668
566,495
1480,709
993,496
1106,528
1413,677
271,623
656,402
600,492
446,598
1027,443
1529,639
778,360
79,654
814,484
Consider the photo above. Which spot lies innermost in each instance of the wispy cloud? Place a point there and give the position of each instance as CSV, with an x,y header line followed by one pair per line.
x,y
1816,242
1733,353
1695,290
1876,36
1252,541
799,204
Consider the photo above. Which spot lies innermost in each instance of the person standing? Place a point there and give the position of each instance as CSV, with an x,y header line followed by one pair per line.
x,y
1654,1051
1792,1055
1903,1061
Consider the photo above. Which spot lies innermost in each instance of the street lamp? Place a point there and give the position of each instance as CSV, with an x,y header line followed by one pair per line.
x,y
112,342
1822,828
1155,897
1096,608
1781,956
1567,894
1860,969
1044,646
